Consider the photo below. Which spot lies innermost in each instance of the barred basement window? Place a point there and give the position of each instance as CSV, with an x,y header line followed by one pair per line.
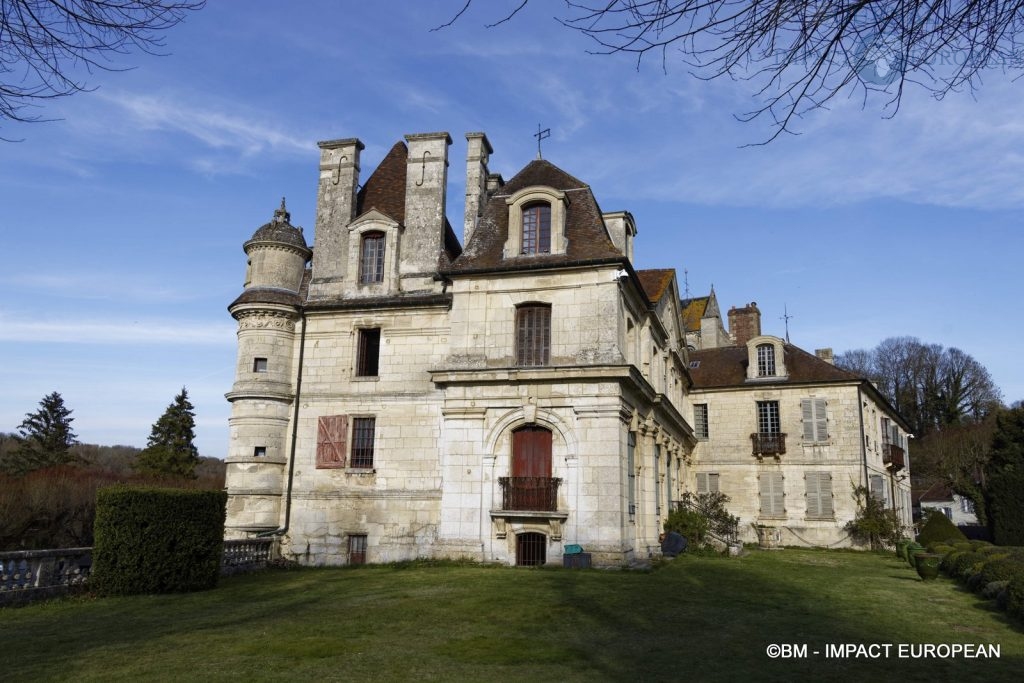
x,y
371,258
368,354
259,364
362,442
357,549
533,334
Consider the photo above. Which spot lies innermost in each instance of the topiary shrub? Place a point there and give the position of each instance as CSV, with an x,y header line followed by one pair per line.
x,y
967,564
999,569
941,548
993,590
1013,601
938,529
949,561
151,540
978,544
1005,498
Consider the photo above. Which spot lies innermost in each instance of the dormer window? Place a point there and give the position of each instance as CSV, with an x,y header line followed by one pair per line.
x,y
536,222
765,360
371,258
537,228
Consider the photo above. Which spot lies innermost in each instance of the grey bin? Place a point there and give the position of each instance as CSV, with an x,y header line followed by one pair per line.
x,y
576,561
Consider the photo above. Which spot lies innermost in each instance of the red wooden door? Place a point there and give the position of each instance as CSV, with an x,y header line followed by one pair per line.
x,y
531,468
531,452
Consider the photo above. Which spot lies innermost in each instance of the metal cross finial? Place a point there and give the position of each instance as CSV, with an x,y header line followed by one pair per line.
x,y
786,316
540,135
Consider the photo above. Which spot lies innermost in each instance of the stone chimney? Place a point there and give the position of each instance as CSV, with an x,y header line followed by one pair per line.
x,y
744,323
622,230
478,153
335,209
425,185
826,355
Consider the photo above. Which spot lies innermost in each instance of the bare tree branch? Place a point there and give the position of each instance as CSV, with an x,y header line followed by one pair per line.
x,y
798,55
44,42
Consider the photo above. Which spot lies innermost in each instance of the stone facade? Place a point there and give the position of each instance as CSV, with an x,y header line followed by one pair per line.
x,y
408,395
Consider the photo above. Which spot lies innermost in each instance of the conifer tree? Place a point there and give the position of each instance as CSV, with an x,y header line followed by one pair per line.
x,y
170,451
45,437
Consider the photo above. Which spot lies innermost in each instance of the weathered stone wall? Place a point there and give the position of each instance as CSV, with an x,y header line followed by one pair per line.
x,y
732,418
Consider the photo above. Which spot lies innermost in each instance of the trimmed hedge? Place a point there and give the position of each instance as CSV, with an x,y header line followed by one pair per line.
x,y
151,540
938,529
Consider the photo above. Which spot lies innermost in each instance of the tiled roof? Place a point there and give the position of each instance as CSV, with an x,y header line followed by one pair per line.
x,y
587,238
655,282
727,367
280,230
937,492
267,295
693,311
384,190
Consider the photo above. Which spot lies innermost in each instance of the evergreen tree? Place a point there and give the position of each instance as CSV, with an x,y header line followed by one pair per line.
x,y
44,438
1005,478
170,451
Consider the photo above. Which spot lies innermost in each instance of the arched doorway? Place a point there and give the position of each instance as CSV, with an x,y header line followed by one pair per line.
x,y
531,549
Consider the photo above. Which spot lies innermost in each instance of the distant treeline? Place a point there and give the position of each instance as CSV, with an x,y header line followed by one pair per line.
x,y
54,507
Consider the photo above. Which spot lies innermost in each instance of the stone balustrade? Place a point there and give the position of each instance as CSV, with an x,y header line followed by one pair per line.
x,y
29,575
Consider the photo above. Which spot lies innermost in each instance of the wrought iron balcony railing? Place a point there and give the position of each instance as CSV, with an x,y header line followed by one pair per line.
x,y
768,444
537,494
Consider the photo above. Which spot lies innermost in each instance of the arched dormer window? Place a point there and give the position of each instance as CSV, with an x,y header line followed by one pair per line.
x,y
765,360
371,258
537,228
536,222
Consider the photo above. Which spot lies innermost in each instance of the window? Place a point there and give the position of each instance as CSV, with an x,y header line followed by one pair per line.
x,y
371,258
668,482
331,441
876,485
631,472
819,494
259,451
533,334
259,364
967,505
815,422
362,442
772,494
357,549
537,228
765,360
700,420
368,353
768,417
707,482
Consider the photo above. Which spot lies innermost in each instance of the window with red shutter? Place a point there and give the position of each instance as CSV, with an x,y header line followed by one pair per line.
x,y
331,441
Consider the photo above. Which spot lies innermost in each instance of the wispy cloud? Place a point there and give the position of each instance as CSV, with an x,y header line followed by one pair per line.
x,y
98,287
115,331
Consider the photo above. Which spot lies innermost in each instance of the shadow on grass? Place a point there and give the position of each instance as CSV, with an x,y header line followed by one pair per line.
x,y
701,618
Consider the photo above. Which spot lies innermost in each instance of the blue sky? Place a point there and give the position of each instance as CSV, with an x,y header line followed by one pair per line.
x,y
124,219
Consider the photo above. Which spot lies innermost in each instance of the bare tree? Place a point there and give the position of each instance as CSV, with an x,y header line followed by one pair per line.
x,y
43,44
799,55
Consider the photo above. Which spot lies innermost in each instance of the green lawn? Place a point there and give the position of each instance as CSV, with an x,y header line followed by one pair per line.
x,y
696,618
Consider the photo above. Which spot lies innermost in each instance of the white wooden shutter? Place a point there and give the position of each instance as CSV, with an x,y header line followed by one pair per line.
x,y
702,482
815,419
819,494
807,409
772,496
